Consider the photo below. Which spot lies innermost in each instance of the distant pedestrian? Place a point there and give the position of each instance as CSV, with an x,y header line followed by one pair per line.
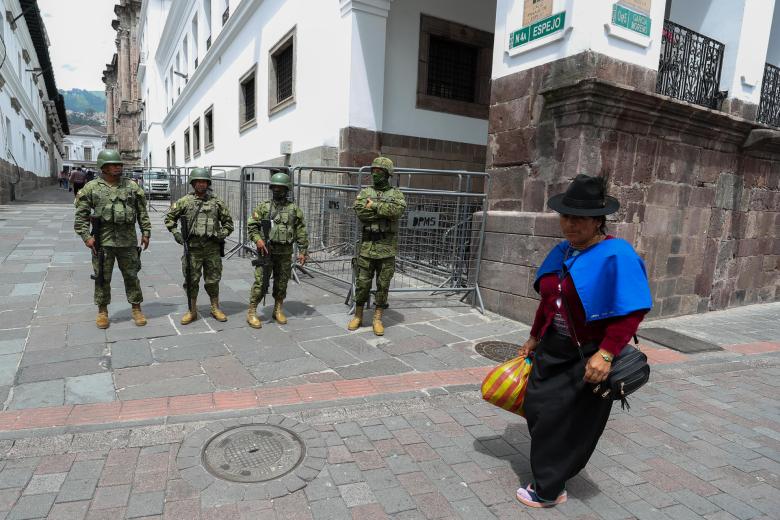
x,y
594,292
63,176
78,178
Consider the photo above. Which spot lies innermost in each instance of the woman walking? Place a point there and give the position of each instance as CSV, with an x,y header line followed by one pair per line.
x,y
594,289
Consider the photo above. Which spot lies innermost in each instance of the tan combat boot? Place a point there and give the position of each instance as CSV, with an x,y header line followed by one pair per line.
x,y
357,320
138,316
251,316
190,315
279,313
379,329
102,317
216,311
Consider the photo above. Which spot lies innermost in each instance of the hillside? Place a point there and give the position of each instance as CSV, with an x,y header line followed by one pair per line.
x,y
84,101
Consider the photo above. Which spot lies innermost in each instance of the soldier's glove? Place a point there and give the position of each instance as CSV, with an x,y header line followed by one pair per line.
x,y
178,238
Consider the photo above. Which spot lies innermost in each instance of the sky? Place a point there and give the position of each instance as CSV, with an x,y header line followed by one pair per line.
x,y
81,40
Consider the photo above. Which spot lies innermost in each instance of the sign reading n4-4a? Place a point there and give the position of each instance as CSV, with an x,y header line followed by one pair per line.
x,y
545,27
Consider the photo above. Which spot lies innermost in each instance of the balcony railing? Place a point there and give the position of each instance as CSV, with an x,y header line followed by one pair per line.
x,y
208,43
769,107
225,16
196,63
690,66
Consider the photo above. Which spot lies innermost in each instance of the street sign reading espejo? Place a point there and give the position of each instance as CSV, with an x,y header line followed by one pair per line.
x,y
547,26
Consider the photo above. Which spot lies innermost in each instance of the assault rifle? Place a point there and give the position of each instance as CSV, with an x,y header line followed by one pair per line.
x,y
264,260
185,238
97,228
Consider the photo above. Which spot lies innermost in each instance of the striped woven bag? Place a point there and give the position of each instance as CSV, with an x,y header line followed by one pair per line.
x,y
505,385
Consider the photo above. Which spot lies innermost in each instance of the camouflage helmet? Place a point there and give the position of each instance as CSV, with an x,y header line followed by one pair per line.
x,y
384,163
108,157
280,179
200,174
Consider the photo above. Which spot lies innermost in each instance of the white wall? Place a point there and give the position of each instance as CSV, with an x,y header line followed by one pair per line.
x,y
314,120
28,153
588,32
76,144
773,49
403,29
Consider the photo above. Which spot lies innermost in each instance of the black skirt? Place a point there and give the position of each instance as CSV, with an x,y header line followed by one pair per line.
x,y
565,419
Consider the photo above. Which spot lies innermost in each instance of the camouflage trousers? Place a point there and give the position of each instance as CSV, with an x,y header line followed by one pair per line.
x,y
281,268
129,265
204,258
368,268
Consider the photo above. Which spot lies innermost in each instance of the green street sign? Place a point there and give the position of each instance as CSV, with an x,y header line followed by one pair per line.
x,y
631,20
536,30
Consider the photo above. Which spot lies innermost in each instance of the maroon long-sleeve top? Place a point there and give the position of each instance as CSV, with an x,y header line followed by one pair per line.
x,y
612,333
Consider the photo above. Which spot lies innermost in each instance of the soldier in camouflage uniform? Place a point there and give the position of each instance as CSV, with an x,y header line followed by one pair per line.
x,y
119,203
287,227
378,207
209,225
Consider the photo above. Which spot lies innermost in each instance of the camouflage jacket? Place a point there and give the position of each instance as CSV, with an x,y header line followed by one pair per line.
x,y
212,221
119,208
287,224
379,223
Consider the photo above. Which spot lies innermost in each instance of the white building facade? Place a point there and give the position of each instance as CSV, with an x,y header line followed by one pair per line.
x,y
82,146
227,82
32,112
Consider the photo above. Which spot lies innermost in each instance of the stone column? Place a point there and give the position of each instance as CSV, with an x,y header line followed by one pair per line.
x,y
123,73
110,110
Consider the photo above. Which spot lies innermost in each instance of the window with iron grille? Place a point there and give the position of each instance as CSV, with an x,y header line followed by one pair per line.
x,y
769,107
455,61
208,129
187,145
452,69
173,154
247,98
281,73
689,66
196,138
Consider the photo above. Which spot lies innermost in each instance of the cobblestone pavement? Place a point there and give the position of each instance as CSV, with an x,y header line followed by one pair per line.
x,y
52,354
109,424
705,445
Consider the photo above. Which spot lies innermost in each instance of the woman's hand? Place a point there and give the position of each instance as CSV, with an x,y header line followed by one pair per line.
x,y
597,368
528,347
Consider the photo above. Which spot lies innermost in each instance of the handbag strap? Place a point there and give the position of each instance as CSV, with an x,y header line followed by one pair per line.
x,y
564,274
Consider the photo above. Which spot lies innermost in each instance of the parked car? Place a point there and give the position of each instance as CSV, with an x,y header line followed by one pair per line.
x,y
157,184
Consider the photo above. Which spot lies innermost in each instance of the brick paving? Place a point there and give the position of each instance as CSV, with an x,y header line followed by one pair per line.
x,y
95,424
697,446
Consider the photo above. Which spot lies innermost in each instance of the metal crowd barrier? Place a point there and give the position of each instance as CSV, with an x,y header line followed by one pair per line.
x,y
440,237
441,234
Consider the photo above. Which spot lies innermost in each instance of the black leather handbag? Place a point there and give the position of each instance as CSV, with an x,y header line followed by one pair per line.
x,y
629,370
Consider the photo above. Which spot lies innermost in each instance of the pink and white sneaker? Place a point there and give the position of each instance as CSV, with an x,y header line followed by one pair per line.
x,y
528,496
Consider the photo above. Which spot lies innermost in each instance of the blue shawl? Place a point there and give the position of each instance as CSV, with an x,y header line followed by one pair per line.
x,y
610,278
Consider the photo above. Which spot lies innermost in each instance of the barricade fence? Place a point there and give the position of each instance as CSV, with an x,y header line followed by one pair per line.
x,y
441,233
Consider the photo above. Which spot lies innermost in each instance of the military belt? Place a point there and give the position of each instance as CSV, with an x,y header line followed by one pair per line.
x,y
375,236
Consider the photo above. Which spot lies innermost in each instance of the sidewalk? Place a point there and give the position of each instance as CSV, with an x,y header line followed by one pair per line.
x,y
110,424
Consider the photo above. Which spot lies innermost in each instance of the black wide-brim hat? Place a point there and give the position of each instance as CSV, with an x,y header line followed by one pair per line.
x,y
585,197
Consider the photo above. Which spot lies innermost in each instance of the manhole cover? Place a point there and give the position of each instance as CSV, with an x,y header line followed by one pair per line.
x,y
497,350
254,453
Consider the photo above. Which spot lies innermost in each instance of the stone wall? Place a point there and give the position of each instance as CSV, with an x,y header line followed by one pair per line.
x,y
28,182
699,192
